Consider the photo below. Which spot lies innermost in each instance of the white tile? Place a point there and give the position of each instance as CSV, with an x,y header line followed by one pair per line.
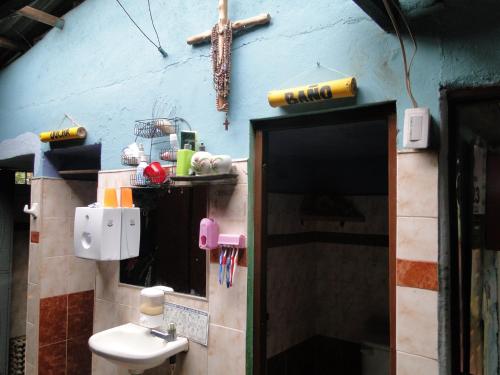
x,y
417,321
226,351
81,274
34,263
107,274
56,238
228,205
417,239
408,364
228,306
33,304
56,198
194,361
417,184
54,277
106,315
31,344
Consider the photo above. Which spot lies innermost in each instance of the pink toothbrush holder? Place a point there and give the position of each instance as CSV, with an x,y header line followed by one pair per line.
x,y
209,234
232,240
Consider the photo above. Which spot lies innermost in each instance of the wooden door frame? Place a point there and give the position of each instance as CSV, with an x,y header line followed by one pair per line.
x,y
452,345
257,280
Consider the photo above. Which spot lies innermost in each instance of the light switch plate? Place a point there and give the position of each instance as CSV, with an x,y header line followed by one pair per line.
x,y
416,128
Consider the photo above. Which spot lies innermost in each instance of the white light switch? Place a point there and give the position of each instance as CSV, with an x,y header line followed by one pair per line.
x,y
416,128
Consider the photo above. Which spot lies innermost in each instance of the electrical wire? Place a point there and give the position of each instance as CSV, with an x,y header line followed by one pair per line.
x,y
159,47
153,23
403,49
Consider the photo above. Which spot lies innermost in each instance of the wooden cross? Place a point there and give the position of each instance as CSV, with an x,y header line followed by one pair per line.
x,y
236,26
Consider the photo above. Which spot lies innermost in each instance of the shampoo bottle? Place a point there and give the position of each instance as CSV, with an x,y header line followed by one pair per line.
x,y
184,160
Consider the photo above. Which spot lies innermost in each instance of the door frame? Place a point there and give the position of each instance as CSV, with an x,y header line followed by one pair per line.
x,y
256,340
450,320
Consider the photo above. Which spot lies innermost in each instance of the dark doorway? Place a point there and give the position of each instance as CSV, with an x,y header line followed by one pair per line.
x,y
472,143
15,192
324,210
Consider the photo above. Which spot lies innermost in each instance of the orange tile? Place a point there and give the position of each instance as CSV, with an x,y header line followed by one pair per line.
x,y
53,319
422,275
80,314
52,359
35,237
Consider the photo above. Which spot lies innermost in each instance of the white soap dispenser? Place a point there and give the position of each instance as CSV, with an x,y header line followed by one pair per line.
x,y
151,308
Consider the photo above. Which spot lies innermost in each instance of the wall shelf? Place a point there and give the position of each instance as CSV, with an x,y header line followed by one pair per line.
x,y
220,179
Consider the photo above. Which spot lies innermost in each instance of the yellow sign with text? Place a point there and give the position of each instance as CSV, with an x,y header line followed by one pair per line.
x,y
77,132
338,89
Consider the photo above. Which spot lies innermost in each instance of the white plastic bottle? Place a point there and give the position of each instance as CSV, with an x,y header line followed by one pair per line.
x,y
143,163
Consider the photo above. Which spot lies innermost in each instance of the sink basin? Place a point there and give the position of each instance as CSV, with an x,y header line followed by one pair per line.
x,y
133,347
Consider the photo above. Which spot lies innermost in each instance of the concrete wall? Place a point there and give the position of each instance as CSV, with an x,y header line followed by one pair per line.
x,y
101,71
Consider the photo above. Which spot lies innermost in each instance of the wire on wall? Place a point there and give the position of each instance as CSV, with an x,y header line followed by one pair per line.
x,y
407,67
158,46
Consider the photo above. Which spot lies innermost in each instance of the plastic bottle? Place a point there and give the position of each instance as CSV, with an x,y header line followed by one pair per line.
x,y
184,160
143,163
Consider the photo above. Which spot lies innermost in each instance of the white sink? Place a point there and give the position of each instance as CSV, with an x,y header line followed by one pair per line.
x,y
134,347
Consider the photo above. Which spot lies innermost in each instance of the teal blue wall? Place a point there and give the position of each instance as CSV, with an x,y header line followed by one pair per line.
x,y
101,71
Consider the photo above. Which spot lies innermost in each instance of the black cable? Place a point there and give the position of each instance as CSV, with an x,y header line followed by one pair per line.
x,y
159,47
153,23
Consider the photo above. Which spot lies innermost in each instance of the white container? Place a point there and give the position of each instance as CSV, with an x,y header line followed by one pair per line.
x,y
130,233
107,233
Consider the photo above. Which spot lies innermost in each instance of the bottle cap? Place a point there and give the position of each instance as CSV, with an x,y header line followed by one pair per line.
x,y
202,147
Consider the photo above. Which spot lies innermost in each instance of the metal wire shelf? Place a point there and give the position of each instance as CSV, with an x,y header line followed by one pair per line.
x,y
156,127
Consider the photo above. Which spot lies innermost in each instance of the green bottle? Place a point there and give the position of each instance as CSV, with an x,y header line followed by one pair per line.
x,y
184,160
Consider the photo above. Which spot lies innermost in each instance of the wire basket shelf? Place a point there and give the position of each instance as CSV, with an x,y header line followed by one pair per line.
x,y
137,180
156,127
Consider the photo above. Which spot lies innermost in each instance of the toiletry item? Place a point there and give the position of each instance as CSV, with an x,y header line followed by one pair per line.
x,y
139,173
184,160
110,199
126,200
221,164
155,173
164,125
200,163
170,154
189,137
151,307
209,234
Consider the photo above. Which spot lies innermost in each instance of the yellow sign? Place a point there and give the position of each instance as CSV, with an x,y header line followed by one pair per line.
x,y
338,89
76,132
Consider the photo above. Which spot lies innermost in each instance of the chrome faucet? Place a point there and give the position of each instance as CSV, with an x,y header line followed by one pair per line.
x,y
168,336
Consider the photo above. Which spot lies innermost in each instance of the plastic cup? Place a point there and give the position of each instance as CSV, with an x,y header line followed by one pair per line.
x,y
126,199
110,199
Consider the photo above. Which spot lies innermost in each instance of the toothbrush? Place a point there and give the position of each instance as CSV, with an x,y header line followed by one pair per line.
x,y
228,270
235,263
221,267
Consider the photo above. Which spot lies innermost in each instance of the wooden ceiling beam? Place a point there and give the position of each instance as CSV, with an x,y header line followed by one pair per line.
x,y
9,44
41,16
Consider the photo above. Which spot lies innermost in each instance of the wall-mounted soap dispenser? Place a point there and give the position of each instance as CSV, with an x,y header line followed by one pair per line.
x,y
107,233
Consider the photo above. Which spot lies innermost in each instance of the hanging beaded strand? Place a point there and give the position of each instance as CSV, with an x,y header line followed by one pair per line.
x,y
221,65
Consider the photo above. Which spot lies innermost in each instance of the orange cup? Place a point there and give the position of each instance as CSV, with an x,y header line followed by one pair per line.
x,y
110,199
126,199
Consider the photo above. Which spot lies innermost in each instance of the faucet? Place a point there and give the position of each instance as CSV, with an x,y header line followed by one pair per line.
x,y
168,336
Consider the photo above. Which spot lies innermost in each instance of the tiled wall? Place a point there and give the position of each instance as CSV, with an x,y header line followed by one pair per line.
x,y
56,280
117,304
317,288
417,253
